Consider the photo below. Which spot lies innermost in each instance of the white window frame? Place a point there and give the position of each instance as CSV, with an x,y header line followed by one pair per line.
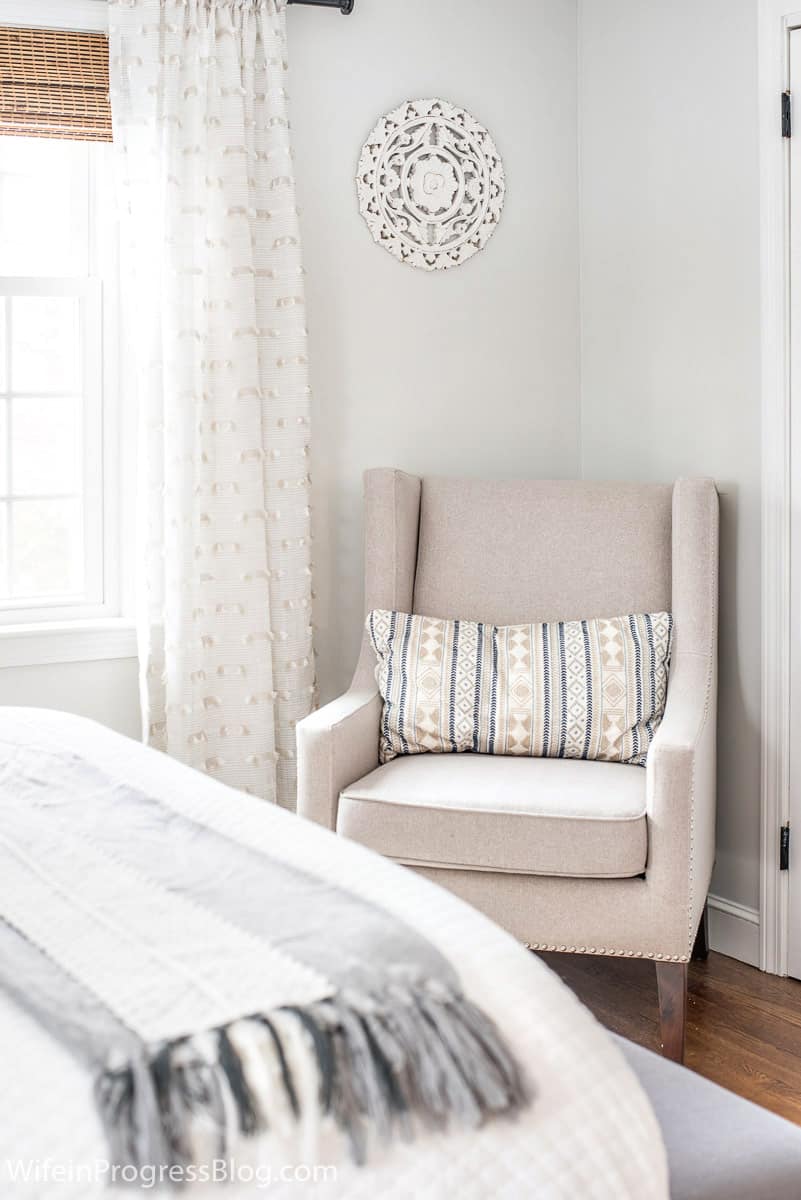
x,y
75,640
90,16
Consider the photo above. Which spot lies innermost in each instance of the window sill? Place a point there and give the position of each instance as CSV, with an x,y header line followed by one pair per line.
x,y
66,642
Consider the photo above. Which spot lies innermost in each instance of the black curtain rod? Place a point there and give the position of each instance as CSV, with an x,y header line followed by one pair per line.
x,y
344,6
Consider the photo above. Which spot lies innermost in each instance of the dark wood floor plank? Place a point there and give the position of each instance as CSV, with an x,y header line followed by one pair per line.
x,y
743,1027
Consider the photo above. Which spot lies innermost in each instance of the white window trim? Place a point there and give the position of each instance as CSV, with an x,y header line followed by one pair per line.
x,y
84,15
65,642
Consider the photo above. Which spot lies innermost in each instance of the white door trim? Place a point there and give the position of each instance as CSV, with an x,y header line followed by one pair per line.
x,y
776,18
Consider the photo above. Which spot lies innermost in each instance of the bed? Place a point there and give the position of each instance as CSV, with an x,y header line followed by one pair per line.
x,y
591,1129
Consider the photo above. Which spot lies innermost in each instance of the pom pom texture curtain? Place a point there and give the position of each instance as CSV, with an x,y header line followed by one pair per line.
x,y
215,334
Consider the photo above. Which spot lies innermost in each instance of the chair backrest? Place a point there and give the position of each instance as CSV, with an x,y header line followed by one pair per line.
x,y
540,550
544,551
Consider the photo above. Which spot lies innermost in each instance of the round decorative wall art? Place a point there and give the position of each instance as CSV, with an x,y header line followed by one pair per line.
x,y
431,184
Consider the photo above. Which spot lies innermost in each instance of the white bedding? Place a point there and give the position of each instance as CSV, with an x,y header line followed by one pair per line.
x,y
589,1135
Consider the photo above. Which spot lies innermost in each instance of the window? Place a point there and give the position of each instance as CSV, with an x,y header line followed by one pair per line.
x,y
59,469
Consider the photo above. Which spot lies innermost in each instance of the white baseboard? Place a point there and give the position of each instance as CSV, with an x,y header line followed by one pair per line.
x,y
734,930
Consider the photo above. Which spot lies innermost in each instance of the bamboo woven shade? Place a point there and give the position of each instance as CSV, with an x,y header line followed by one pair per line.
x,y
54,83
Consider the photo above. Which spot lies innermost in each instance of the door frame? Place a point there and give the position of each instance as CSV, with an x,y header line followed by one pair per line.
x,y
776,19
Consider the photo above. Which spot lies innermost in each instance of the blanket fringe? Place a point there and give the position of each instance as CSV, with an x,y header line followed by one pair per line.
x,y
416,1056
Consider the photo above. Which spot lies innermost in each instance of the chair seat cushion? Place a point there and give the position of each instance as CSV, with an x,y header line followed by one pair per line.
x,y
532,816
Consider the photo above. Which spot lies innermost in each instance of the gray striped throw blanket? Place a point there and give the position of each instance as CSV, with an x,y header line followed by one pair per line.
x,y
215,992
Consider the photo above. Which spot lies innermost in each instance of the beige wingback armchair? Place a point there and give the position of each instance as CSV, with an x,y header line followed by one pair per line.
x,y
574,856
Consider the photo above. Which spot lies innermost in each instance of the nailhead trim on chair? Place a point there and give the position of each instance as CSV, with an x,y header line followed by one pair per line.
x,y
715,607
677,958
607,953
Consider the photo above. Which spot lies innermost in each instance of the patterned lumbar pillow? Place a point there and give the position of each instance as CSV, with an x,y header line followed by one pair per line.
x,y
569,689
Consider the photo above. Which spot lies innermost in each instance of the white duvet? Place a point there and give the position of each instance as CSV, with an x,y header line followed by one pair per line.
x,y
589,1135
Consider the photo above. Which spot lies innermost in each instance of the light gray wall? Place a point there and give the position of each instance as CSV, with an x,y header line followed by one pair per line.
x,y
469,371
106,690
670,315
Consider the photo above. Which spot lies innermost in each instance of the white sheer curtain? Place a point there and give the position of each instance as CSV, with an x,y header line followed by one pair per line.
x,y
215,335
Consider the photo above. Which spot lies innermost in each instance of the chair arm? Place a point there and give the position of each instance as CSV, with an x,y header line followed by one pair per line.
x,y
337,745
681,784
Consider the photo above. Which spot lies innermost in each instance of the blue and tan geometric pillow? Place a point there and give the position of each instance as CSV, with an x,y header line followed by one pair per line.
x,y
591,689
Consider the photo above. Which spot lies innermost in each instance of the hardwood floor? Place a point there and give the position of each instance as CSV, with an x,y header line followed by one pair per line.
x,y
743,1027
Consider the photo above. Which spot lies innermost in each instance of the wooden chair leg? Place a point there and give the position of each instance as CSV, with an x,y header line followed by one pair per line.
x,y
671,982
701,947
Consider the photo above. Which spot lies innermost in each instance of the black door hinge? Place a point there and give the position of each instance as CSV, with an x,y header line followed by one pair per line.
x,y
784,847
787,115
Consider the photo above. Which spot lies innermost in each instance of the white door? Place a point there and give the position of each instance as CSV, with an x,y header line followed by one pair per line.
x,y
794,149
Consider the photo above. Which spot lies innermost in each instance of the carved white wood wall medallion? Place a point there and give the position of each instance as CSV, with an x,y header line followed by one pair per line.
x,y
431,184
